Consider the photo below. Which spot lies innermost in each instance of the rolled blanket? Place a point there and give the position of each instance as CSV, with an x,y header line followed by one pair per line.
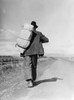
x,y
23,39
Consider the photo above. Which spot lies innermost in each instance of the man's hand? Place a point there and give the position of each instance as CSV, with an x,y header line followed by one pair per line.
x,y
21,54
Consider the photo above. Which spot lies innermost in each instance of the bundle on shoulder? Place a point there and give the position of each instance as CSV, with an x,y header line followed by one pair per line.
x,y
23,39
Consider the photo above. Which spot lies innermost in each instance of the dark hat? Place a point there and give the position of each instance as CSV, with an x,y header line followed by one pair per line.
x,y
34,24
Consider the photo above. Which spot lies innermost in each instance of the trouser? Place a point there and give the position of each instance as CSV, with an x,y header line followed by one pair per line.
x,y
30,67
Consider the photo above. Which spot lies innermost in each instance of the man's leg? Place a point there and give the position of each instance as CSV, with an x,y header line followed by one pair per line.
x,y
34,67
27,70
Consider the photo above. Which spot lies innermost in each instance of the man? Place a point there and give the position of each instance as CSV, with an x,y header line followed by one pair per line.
x,y
31,54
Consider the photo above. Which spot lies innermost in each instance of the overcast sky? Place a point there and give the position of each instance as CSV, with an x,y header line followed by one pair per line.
x,y
55,19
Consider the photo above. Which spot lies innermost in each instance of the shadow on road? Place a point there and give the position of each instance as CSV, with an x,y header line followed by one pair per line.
x,y
54,79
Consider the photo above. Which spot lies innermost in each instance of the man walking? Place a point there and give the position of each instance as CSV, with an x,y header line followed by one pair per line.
x,y
31,54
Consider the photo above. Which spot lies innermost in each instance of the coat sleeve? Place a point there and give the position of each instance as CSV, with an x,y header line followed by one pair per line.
x,y
43,38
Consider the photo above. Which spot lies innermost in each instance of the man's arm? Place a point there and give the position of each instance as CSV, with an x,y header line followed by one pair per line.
x,y
44,39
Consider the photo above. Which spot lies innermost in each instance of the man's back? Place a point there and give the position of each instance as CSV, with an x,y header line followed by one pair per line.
x,y
36,44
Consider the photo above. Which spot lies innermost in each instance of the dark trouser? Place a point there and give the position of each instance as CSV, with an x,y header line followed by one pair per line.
x,y
34,66
30,67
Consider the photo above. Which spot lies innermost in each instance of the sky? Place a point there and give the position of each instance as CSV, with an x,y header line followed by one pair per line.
x,y
55,19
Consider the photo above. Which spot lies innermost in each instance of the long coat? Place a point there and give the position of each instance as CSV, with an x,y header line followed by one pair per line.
x,y
35,46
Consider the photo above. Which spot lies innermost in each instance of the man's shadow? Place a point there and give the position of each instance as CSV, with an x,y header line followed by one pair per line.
x,y
54,79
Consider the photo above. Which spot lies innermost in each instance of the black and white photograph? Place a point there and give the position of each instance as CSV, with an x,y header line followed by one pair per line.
x,y
36,49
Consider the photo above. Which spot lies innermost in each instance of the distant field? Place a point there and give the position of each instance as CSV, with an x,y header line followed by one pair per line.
x,y
8,62
10,66
7,59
